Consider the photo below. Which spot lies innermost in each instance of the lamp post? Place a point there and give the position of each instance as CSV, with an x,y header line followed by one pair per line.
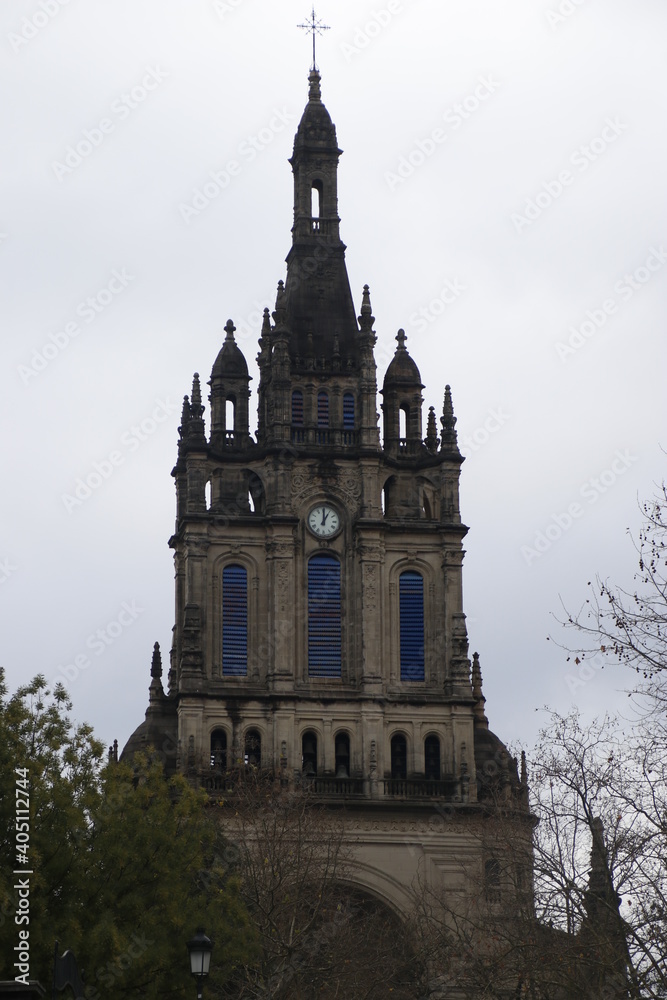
x,y
200,949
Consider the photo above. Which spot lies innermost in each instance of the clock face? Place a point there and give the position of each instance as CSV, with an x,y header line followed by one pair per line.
x,y
323,521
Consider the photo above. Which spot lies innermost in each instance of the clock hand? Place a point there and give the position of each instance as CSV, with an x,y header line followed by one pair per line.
x,y
325,514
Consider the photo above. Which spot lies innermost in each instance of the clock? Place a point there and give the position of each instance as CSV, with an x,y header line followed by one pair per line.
x,y
324,520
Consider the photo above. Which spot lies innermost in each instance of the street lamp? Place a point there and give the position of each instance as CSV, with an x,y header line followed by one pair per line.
x,y
200,949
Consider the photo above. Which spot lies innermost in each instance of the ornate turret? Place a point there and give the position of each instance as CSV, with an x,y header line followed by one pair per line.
x,y
402,402
230,391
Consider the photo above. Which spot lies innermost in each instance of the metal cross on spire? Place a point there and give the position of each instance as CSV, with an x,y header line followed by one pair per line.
x,y
317,28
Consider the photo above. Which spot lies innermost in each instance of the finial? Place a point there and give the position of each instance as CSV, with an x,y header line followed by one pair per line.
x,y
229,330
366,319
266,324
279,312
156,662
196,392
524,769
431,439
448,421
315,26
401,338
185,415
480,717
113,752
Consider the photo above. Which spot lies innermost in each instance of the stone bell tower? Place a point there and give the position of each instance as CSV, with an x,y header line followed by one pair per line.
x,y
320,633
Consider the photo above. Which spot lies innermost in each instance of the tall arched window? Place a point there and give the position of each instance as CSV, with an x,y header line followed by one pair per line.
x,y
234,621
342,752
252,751
399,757
309,753
411,614
348,412
297,416
432,758
322,409
324,617
219,749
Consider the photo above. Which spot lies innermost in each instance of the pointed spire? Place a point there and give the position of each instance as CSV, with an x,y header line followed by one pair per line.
x,y
281,305
266,324
448,421
156,662
431,440
196,408
481,720
195,425
185,417
366,319
524,769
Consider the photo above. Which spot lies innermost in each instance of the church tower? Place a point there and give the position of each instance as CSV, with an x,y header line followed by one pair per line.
x,y
320,632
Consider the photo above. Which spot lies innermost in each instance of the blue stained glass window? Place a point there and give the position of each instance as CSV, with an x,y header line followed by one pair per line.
x,y
234,621
411,602
348,412
322,409
297,408
324,617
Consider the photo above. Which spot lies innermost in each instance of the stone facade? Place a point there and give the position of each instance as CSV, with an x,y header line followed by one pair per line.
x,y
361,691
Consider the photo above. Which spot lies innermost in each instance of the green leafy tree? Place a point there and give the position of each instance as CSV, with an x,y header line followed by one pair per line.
x,y
125,864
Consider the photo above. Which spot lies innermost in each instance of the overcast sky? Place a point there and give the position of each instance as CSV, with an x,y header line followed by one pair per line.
x,y
502,191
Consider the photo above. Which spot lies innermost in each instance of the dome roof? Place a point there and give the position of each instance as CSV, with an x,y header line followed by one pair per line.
x,y
402,369
315,127
230,360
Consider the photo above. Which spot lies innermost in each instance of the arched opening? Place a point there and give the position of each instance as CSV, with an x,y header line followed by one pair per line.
x,y
427,510
298,434
230,419
403,425
342,753
432,758
309,754
256,491
219,750
207,494
316,200
252,750
399,757
389,497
